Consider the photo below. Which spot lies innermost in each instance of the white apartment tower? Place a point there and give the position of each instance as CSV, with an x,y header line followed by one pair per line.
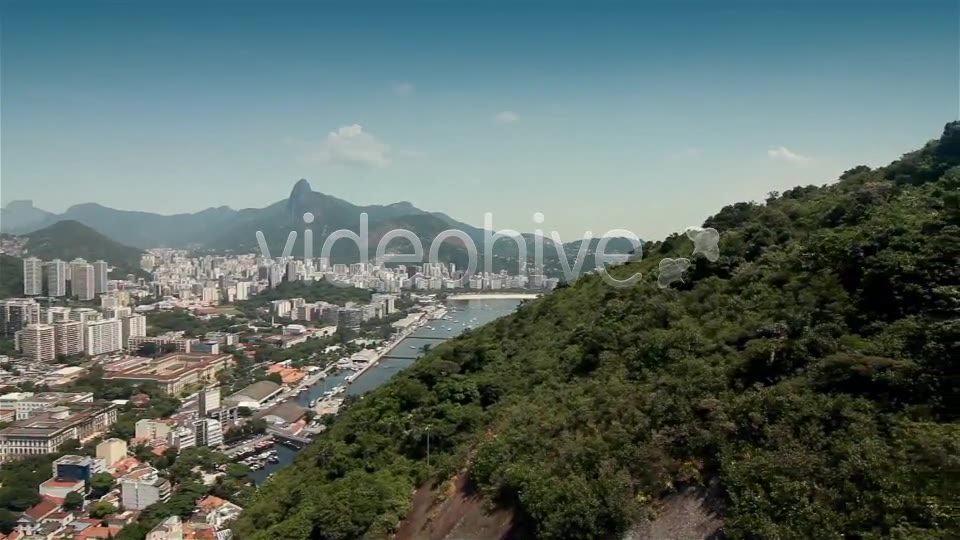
x,y
133,326
103,337
37,342
100,277
208,432
81,279
68,337
32,276
56,278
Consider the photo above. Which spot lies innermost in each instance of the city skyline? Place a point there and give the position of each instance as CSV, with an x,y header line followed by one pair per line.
x,y
509,108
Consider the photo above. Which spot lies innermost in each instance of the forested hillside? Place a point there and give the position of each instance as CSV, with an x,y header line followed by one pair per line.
x,y
811,372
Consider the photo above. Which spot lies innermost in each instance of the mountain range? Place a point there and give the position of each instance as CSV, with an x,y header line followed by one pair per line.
x,y
223,229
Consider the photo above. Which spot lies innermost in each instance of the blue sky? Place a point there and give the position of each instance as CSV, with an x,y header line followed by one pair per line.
x,y
645,116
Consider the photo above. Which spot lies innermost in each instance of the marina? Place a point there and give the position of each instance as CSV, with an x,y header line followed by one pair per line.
x,y
330,387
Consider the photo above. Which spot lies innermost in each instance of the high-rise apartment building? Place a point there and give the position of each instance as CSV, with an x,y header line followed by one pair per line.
x,y
37,342
56,278
208,432
32,276
243,290
68,337
82,280
132,326
103,337
15,313
99,277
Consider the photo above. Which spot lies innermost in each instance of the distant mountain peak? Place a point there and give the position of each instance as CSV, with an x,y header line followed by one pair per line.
x,y
25,204
298,200
302,186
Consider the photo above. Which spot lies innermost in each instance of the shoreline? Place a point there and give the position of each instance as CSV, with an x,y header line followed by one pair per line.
x,y
493,296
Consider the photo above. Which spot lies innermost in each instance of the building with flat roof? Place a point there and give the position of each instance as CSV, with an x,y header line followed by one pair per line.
x,y
75,468
47,431
150,428
68,337
37,342
38,403
143,488
32,276
15,313
112,451
174,372
102,337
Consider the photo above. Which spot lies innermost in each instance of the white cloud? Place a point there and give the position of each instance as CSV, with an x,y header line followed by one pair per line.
x,y
402,88
354,146
506,117
782,153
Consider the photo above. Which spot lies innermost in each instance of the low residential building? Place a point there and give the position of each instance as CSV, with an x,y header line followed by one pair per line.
x,y
182,437
150,428
142,488
45,432
216,511
58,489
174,372
168,529
31,519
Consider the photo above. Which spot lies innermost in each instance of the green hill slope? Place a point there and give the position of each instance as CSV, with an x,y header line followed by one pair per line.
x,y
811,372
69,240
11,276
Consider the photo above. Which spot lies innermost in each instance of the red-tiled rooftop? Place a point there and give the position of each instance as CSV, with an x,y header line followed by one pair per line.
x,y
42,508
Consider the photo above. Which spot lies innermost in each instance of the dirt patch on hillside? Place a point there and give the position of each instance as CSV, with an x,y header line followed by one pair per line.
x,y
691,514
460,515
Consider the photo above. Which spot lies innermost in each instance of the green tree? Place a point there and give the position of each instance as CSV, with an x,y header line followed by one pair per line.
x,y
101,483
8,521
101,510
73,501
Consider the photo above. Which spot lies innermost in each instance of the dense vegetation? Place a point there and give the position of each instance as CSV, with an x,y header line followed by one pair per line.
x,y
811,371
11,276
311,291
181,320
